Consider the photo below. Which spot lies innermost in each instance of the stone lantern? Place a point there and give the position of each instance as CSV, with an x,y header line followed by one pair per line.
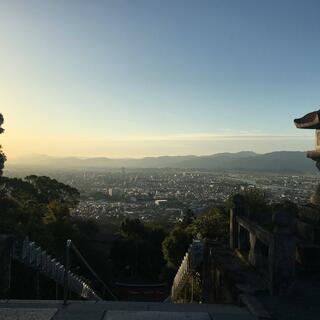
x,y
312,121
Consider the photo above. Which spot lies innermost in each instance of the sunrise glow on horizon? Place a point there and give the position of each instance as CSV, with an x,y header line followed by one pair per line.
x,y
149,78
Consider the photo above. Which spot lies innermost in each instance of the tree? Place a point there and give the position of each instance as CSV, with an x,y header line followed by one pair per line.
x,y
19,190
49,190
188,217
256,205
256,201
133,228
213,225
138,254
58,223
315,198
2,155
38,207
175,246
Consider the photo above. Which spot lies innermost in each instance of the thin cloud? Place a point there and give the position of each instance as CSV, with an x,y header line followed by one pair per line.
x,y
242,135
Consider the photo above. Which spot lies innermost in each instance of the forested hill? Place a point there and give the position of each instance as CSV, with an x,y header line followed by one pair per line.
x,y
289,161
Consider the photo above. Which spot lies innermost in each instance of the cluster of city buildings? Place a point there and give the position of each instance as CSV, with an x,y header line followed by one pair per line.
x,y
166,195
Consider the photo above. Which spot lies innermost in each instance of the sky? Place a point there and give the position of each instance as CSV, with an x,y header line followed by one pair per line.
x,y
139,78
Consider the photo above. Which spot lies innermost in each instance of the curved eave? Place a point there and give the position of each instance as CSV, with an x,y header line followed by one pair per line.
x,y
309,121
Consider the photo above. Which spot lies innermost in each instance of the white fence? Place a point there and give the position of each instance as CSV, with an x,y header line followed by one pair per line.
x,y
189,265
33,256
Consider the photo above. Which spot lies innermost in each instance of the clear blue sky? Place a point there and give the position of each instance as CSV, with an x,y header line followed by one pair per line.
x,y
136,78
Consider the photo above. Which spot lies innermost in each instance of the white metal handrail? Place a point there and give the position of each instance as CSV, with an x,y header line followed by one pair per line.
x,y
189,264
33,256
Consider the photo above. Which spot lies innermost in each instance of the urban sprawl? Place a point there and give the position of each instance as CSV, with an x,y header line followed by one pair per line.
x,y
165,195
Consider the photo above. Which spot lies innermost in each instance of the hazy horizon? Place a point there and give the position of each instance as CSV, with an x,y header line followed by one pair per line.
x,y
246,161
147,78
39,155
303,140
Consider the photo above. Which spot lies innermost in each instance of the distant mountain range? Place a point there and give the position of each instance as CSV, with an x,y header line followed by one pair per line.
x,y
281,161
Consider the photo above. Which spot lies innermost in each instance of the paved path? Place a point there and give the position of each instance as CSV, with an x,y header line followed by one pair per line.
x,y
87,310
27,313
155,315
302,304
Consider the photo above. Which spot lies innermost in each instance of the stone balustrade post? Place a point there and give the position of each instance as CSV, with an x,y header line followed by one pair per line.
x,y
237,210
6,243
243,240
255,254
282,250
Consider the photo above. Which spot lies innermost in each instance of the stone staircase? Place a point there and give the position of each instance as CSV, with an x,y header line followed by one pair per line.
x,y
35,257
110,310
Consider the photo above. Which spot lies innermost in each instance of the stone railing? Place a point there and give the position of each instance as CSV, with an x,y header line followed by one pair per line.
x,y
272,254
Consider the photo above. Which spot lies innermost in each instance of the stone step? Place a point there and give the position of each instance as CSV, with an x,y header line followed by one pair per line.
x,y
106,310
255,307
155,315
27,313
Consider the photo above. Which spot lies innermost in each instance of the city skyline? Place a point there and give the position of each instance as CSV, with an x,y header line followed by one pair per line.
x,y
150,78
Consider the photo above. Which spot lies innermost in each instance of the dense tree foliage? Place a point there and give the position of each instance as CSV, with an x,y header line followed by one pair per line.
x,y
175,246
52,190
315,198
133,228
256,205
212,225
188,217
137,256
256,202
38,207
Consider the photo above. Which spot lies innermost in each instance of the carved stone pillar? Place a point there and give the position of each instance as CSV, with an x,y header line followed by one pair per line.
x,y
282,254
255,254
243,241
237,210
